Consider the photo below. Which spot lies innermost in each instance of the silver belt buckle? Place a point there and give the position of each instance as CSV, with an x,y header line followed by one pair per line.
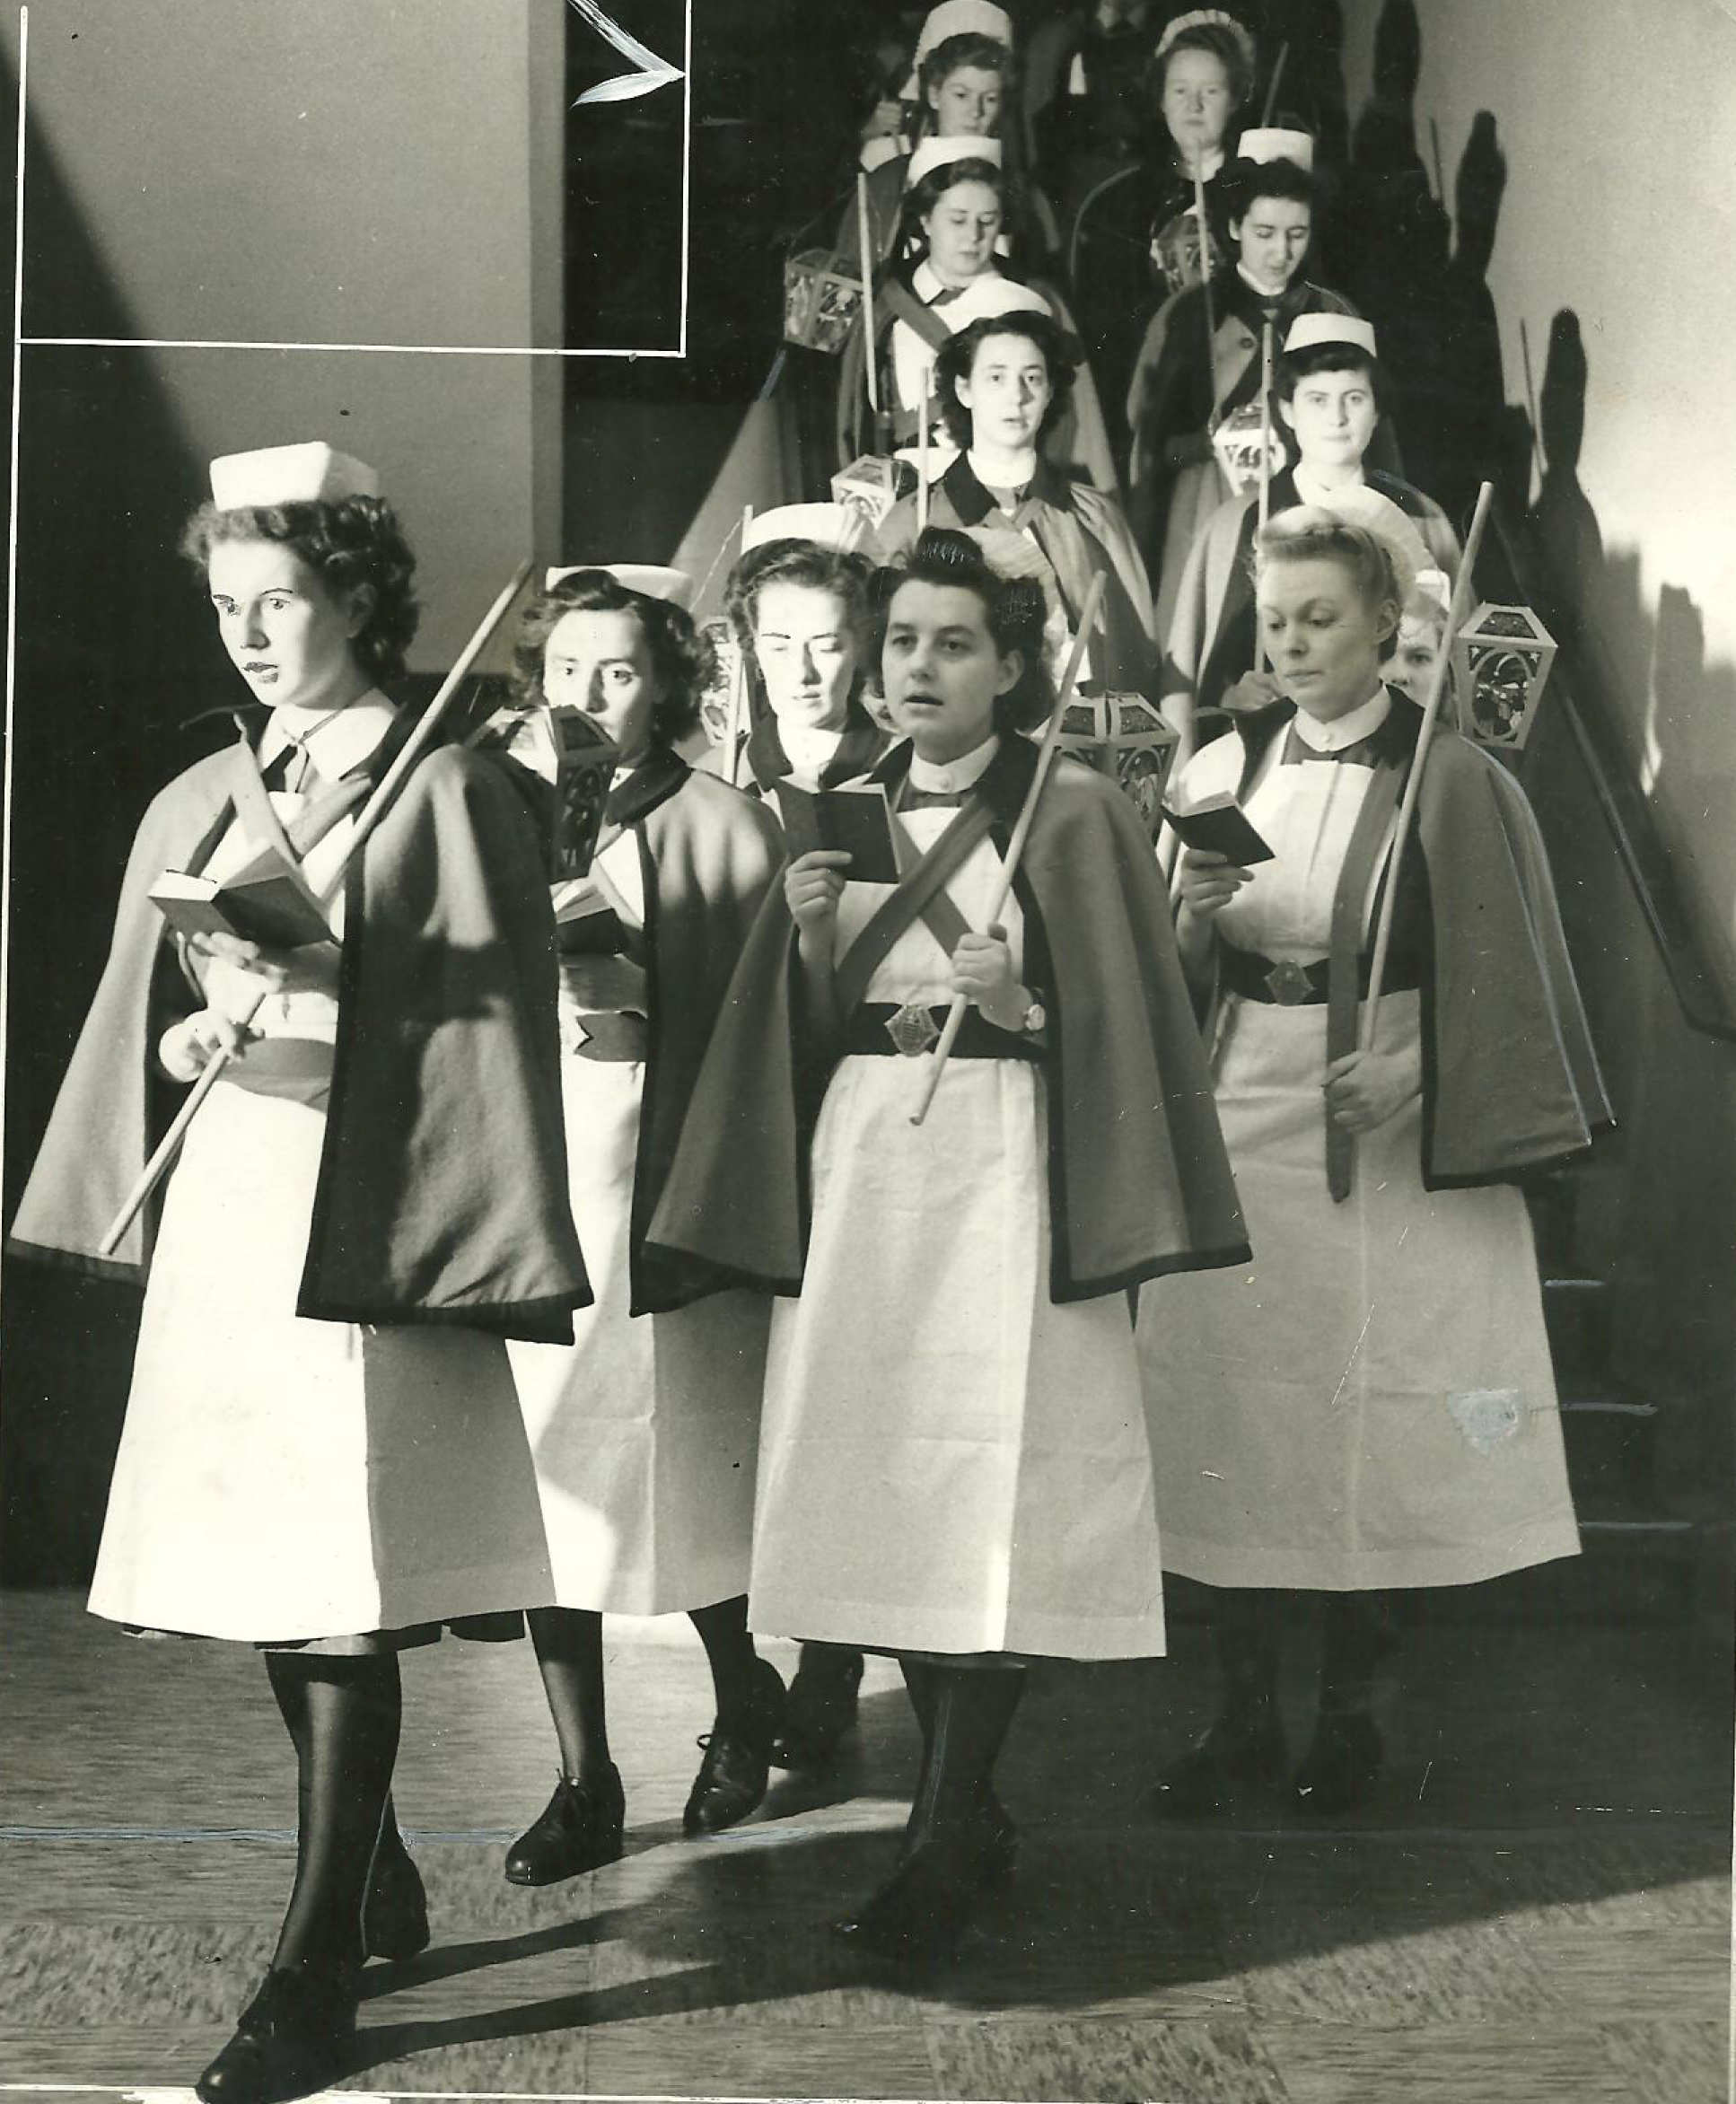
x,y
1288,983
912,1029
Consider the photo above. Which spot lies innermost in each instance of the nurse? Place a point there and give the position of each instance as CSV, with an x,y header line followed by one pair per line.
x,y
322,1456
954,1465
1370,1408
644,1428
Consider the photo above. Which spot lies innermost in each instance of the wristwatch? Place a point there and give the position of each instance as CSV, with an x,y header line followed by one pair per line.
x,y
1036,1015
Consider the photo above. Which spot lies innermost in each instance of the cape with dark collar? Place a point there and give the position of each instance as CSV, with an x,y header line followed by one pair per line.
x,y
440,1196
858,748
1139,1182
1211,641
1510,1077
1082,534
707,855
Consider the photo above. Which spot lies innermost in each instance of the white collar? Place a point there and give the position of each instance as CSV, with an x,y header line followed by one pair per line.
x,y
1349,729
1259,290
1328,496
952,778
1211,160
926,282
807,749
336,743
1027,462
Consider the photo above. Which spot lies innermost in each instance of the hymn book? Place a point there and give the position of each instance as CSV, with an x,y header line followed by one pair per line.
x,y
1218,825
856,819
265,902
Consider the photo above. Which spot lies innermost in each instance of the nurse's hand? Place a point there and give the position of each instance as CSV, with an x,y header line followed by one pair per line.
x,y
273,966
883,123
1207,881
982,971
813,885
187,1049
1364,1089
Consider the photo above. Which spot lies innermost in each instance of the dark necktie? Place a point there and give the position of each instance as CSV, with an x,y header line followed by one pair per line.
x,y
1364,753
946,295
291,769
928,799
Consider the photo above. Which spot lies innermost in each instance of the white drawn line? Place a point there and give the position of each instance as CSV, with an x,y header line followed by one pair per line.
x,y
649,73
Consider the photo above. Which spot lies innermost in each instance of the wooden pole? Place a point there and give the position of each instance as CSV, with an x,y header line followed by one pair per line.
x,y
1272,92
1020,832
922,451
1265,466
1456,613
1205,286
867,290
372,812
738,686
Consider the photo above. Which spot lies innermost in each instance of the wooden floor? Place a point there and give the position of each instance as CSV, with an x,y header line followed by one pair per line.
x,y
1537,1906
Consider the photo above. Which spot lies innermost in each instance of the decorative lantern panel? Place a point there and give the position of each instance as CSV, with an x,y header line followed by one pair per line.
x,y
1176,251
871,486
585,766
1123,736
822,298
1500,660
1236,442
723,660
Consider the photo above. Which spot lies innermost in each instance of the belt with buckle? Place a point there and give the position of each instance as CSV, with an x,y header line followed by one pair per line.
x,y
878,1030
1291,984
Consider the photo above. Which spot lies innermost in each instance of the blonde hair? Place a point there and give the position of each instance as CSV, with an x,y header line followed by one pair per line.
x,y
1306,533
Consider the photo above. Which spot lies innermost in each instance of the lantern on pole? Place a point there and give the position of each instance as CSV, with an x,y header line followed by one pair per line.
x,y
1501,658
1123,737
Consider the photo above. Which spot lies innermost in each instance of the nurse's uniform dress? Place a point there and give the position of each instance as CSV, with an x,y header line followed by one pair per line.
x,y
1371,1404
281,1480
949,1461
645,1430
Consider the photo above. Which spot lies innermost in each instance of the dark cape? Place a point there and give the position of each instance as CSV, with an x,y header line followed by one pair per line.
x,y
708,855
1139,1182
1510,1077
440,1196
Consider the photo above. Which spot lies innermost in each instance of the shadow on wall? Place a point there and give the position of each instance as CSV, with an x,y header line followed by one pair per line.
x,y
110,646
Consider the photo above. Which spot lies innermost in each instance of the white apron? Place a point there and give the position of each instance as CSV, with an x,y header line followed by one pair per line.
x,y
280,1479
1372,1403
644,1429
948,1463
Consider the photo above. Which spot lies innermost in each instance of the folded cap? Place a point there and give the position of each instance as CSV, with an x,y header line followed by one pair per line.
x,y
841,527
308,474
1202,18
957,18
1306,330
1271,142
933,152
646,578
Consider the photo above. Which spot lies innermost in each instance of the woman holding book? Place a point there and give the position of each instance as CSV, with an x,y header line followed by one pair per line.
x,y
953,1463
322,1454
644,1428
1371,1408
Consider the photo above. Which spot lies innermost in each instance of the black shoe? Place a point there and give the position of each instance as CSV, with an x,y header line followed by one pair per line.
x,y
1339,1769
294,2038
733,1775
921,1914
394,1912
1235,1752
580,1829
820,1708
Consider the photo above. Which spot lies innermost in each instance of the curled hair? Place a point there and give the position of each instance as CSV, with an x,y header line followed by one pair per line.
x,y
1249,180
958,354
1230,45
678,656
921,198
952,54
351,544
1012,607
1306,534
1293,367
845,573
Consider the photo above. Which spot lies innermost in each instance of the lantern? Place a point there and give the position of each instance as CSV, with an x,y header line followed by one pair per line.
x,y
565,747
1123,736
723,661
872,485
822,297
1501,660
1236,442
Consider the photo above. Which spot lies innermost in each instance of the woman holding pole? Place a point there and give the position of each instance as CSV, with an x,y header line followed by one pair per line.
x,y
323,1455
1370,1407
953,1466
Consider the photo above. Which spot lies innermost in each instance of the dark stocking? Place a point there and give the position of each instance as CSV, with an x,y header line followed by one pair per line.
x,y
1358,1629
343,1716
724,1631
1244,1629
569,1646
970,1709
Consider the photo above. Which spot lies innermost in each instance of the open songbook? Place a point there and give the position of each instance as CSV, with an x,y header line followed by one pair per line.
x,y
856,818
265,902
1218,825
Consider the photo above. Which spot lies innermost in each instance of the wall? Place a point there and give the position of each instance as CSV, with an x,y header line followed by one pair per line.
x,y
1615,224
